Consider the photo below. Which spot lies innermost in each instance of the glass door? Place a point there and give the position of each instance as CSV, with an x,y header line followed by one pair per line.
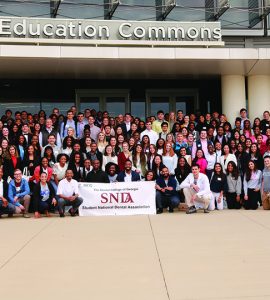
x,y
159,103
185,103
115,105
90,103
171,100
114,101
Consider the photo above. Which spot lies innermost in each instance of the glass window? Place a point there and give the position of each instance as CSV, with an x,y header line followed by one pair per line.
x,y
238,16
25,9
86,9
138,109
90,103
30,107
135,10
62,106
188,10
159,103
115,105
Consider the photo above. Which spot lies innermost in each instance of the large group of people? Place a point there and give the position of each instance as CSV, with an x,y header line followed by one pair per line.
x,y
202,161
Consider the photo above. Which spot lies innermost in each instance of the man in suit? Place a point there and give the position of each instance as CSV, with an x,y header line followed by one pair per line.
x,y
220,137
126,124
26,133
128,175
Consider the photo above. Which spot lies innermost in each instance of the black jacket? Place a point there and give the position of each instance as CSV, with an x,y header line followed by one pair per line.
x,y
36,195
97,176
8,168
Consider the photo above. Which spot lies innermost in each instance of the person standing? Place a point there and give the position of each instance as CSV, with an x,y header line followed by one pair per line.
x,y
126,125
80,125
44,134
197,191
11,163
68,193
97,175
69,122
252,186
202,144
153,136
234,186
218,186
157,124
94,130
266,184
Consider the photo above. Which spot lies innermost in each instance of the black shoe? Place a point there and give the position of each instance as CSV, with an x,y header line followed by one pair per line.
x,y
61,214
191,210
170,210
159,211
72,212
206,211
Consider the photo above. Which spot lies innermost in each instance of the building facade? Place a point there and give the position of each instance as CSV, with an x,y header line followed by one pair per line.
x,y
134,55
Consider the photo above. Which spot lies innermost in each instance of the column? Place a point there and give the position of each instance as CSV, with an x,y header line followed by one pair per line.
x,y
233,96
258,95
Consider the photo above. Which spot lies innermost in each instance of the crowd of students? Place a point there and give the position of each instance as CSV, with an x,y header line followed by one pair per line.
x,y
203,161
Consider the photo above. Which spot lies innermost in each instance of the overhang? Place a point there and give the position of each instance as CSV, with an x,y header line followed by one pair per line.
x,y
61,61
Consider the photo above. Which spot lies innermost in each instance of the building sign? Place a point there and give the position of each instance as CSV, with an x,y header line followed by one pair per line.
x,y
119,198
104,30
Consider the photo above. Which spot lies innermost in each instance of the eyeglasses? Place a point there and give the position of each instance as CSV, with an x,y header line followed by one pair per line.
x,y
18,174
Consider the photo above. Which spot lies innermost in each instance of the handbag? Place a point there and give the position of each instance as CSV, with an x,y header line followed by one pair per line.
x,y
26,174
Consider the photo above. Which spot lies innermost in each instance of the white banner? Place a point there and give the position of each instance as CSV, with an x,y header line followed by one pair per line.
x,y
119,198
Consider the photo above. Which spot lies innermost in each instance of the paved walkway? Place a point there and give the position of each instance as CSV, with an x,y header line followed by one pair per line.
x,y
221,255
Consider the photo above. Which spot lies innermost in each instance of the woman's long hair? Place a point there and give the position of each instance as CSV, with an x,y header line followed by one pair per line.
x,y
249,172
221,174
235,171
142,157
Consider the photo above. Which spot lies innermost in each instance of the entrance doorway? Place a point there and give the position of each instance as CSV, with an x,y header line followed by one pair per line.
x,y
117,101
114,101
172,100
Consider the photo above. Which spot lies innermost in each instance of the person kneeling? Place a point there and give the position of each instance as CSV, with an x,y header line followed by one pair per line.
x,y
43,196
166,195
5,206
68,193
196,189
19,194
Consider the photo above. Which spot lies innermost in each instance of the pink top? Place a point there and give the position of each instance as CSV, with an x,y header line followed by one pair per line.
x,y
254,140
202,162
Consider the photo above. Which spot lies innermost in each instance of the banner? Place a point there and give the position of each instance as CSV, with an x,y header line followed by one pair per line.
x,y
119,198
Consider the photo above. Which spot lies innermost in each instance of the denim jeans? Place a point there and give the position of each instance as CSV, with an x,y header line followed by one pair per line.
x,y
9,209
163,201
75,204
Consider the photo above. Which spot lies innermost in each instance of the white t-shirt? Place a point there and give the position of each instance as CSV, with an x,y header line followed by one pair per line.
x,y
128,177
68,188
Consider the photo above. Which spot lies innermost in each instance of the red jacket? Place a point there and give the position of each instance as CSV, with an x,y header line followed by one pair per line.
x,y
36,175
